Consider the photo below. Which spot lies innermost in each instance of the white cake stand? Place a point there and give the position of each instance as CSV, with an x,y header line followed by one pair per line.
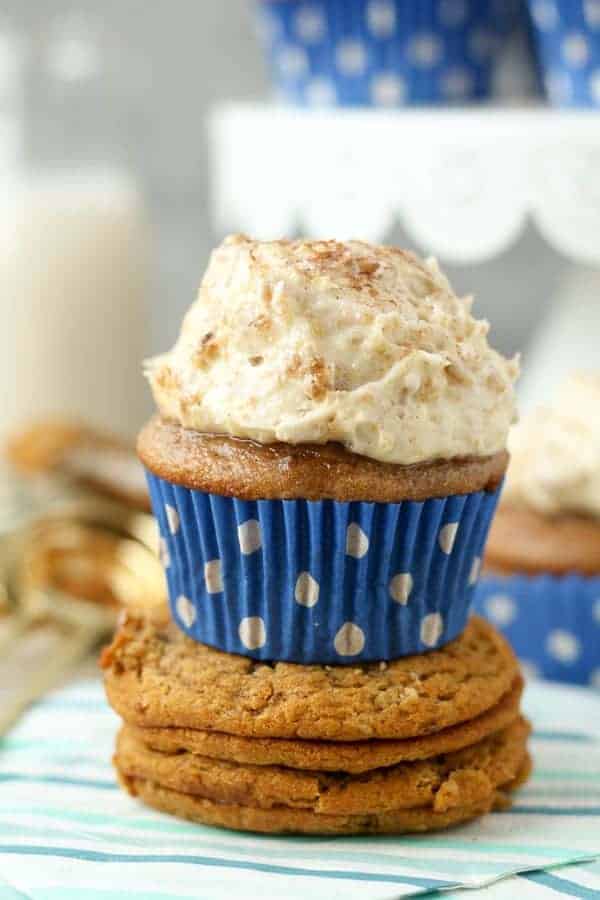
x,y
463,183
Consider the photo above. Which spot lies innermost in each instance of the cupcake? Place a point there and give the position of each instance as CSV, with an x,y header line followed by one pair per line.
x,y
328,452
542,564
383,52
567,40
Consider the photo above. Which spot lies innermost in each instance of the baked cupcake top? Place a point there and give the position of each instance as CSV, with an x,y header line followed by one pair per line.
x,y
319,341
555,453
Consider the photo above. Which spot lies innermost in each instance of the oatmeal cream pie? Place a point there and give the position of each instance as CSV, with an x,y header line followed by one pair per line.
x,y
327,454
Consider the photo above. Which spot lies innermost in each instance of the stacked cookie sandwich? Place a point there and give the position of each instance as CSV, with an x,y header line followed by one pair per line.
x,y
324,469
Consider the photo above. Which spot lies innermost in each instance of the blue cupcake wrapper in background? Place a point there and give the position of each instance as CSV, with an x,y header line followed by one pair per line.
x,y
553,623
567,40
320,582
383,52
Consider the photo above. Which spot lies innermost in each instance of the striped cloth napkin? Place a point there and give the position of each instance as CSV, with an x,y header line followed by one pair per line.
x,y
67,831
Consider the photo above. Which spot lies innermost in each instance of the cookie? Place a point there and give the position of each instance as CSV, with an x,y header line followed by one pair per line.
x,y
282,820
361,756
156,677
452,780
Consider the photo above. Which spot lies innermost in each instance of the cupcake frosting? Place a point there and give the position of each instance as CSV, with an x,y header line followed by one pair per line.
x,y
318,341
555,453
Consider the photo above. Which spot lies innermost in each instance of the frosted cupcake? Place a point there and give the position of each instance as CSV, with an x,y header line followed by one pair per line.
x,y
328,452
542,581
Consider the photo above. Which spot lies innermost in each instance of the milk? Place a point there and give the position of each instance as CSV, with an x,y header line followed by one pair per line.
x,y
73,284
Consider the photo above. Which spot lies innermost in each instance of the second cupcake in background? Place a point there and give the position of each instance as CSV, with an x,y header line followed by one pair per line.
x,y
328,453
542,578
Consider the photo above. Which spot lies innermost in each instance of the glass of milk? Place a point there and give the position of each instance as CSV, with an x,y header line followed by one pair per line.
x,y
73,284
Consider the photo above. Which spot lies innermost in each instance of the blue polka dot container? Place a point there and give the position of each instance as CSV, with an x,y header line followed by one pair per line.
x,y
567,39
383,52
320,581
552,622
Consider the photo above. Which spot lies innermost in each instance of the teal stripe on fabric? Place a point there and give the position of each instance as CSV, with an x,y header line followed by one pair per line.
x,y
60,779
581,792
575,736
180,828
62,832
114,894
562,775
562,886
577,811
98,856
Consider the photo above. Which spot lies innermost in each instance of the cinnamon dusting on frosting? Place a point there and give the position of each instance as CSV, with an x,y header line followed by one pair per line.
x,y
318,341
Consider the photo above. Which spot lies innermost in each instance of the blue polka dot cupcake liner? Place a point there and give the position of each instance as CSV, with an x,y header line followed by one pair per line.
x,y
552,622
320,582
383,53
567,40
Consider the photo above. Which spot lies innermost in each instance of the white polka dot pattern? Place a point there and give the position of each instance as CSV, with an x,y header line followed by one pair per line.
x,y
530,670
163,553
249,537
306,592
400,587
576,49
545,14
425,50
447,537
351,58
357,542
501,609
172,518
213,577
475,570
350,640
185,610
591,11
293,62
252,632
310,24
321,92
563,646
432,628
558,86
388,90
381,18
